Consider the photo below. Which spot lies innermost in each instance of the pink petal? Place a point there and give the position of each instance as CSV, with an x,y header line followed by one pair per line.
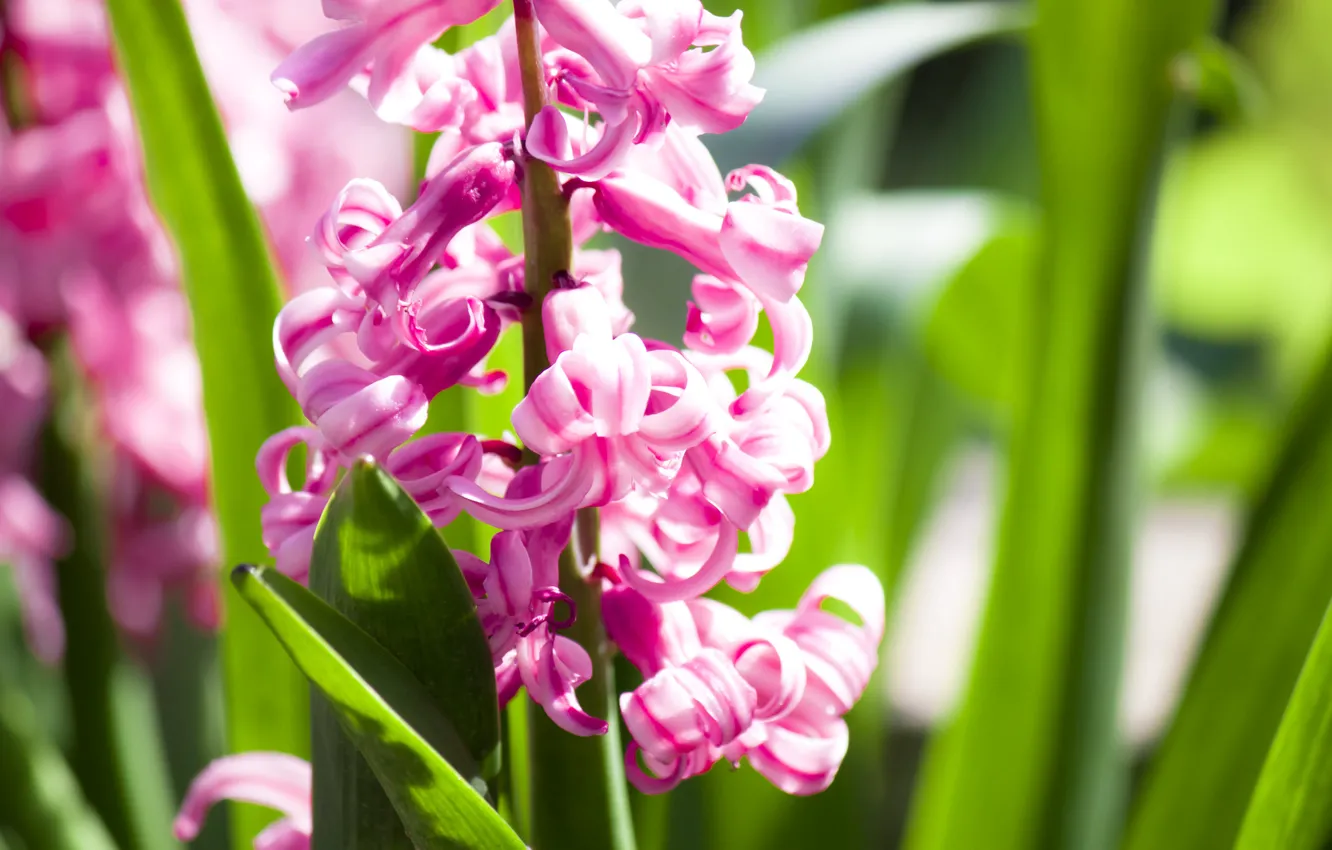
x,y
600,34
709,574
769,247
551,668
275,780
801,763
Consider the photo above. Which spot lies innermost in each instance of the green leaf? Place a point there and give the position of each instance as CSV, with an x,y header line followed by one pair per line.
x,y
117,751
1221,81
1032,758
1196,788
379,562
973,336
805,91
1292,805
187,685
42,801
418,756
234,297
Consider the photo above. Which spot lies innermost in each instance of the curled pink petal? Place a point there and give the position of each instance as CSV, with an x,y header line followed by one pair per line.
x,y
651,635
598,32
360,413
799,763
552,668
383,36
695,708
308,321
362,211
772,664
569,483
722,317
275,780
569,313
769,247
709,574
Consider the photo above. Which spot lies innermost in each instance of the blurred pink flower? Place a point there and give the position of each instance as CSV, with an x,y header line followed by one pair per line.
x,y
81,251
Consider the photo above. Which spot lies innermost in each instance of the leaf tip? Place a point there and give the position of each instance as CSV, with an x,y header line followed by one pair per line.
x,y
241,572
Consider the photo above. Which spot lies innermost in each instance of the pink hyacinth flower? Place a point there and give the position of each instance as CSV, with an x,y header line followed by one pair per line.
x,y
759,242
516,594
773,689
274,780
713,681
608,414
289,519
802,751
645,68
383,37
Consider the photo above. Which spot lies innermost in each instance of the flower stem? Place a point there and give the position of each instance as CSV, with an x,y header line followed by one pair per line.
x,y
578,794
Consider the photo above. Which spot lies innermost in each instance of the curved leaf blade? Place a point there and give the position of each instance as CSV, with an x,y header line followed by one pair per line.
x,y
234,297
1032,758
1195,791
1292,805
386,712
807,87
380,562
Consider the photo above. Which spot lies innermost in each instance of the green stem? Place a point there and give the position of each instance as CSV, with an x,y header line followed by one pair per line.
x,y
579,797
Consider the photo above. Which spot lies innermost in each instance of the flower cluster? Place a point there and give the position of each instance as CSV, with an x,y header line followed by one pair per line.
x,y
83,257
679,460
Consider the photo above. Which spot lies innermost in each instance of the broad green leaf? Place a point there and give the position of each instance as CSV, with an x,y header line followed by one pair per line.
x,y
379,562
1292,805
116,751
42,802
234,297
1195,790
1032,757
806,88
418,756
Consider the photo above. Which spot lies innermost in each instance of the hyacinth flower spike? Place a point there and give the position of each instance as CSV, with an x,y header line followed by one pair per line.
x,y
648,449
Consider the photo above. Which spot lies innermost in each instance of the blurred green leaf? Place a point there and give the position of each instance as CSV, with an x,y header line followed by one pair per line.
x,y
234,297
187,685
1032,758
1231,451
418,756
116,751
1195,790
1221,81
1292,805
42,802
814,75
974,332
379,562
1223,271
